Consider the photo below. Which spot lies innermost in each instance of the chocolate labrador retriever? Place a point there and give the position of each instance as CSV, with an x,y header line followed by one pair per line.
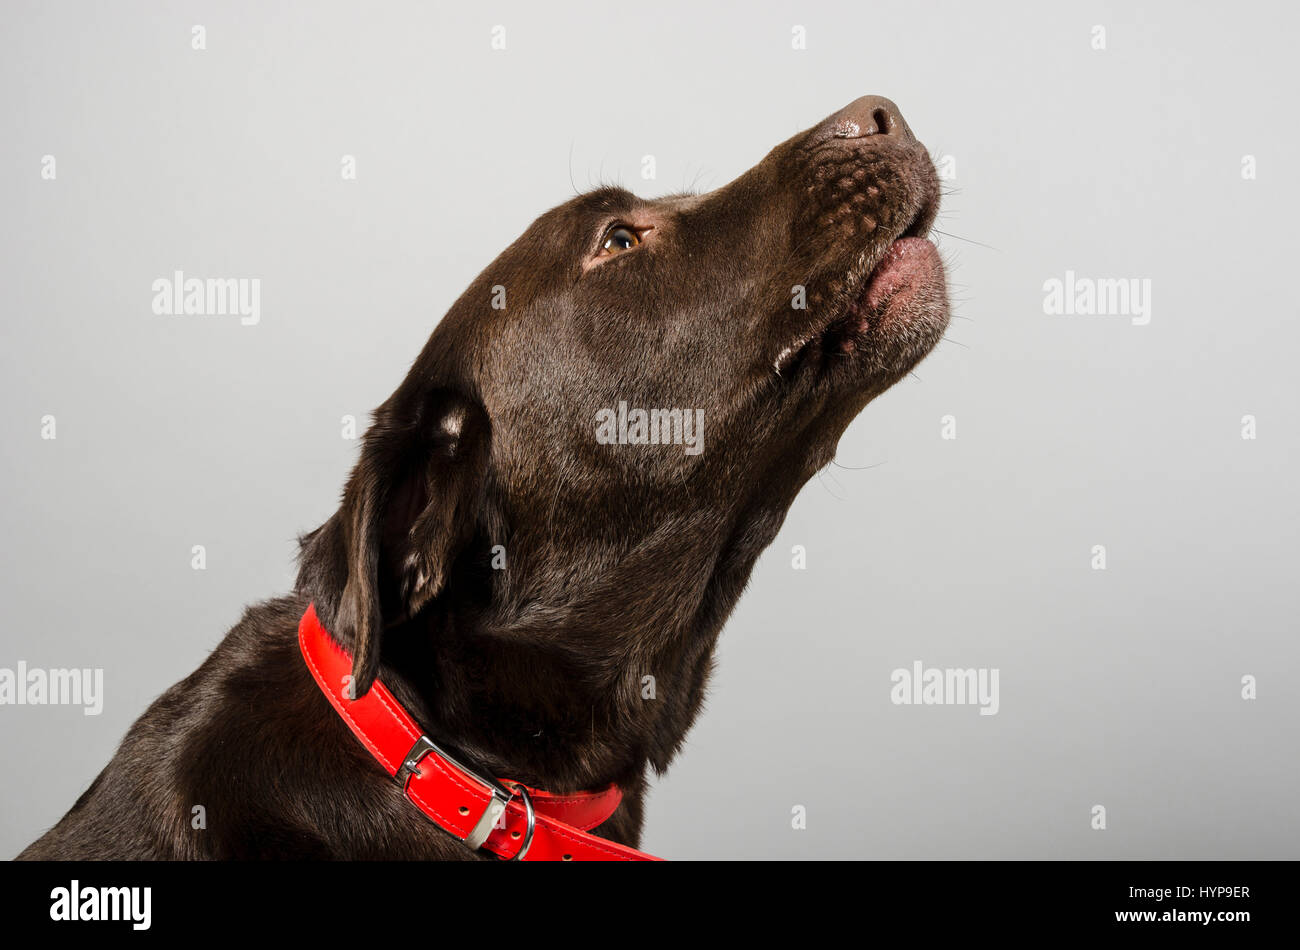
x,y
517,550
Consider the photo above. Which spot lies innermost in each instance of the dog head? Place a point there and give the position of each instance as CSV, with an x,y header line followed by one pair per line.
x,y
611,422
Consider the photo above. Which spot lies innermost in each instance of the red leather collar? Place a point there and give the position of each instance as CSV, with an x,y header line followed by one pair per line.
x,y
506,818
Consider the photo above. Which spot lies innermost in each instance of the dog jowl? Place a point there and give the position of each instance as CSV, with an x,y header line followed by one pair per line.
x,y
513,579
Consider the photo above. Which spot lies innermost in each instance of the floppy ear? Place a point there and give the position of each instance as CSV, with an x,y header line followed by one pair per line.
x,y
410,506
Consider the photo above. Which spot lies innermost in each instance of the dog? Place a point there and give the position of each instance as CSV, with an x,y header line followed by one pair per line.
x,y
509,575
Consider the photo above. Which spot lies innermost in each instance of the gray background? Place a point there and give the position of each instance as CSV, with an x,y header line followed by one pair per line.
x,y
1119,688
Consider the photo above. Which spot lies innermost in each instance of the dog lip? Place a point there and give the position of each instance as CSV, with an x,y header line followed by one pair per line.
x,y
896,269
862,303
873,292
905,266
906,242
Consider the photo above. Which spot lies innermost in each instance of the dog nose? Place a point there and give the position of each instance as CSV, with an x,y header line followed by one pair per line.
x,y
868,116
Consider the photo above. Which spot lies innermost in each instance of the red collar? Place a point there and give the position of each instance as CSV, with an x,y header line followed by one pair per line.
x,y
507,818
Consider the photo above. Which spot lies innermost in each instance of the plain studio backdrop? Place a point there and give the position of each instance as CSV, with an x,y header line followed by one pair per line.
x,y
1120,688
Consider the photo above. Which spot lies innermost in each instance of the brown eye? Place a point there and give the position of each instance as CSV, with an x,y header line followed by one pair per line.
x,y
620,239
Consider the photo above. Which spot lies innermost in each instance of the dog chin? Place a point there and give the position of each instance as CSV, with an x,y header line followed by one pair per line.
x,y
900,313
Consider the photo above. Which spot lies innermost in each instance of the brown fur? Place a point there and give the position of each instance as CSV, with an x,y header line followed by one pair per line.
x,y
622,561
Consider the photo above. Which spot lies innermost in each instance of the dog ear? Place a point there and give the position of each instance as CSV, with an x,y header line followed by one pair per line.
x,y
411,504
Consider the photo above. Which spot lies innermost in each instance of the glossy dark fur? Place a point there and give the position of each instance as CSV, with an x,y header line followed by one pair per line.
x,y
621,561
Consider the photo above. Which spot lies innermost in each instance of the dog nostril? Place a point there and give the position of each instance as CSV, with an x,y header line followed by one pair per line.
x,y
866,118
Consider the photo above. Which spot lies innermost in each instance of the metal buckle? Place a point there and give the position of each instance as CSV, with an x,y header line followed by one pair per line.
x,y
496,805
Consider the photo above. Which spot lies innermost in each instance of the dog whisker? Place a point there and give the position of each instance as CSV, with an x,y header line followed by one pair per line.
x,y
855,468
967,240
821,481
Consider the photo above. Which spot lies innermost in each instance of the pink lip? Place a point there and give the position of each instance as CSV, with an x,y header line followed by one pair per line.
x,y
908,262
911,267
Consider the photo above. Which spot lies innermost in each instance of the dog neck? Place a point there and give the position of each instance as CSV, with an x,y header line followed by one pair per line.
x,y
587,686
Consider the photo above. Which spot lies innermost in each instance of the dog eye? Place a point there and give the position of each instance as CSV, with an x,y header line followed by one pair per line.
x,y
619,239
